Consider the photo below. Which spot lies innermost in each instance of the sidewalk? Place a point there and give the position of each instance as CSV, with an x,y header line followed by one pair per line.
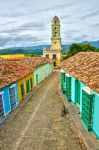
x,y
88,138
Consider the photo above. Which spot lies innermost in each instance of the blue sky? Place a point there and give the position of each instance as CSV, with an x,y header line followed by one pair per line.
x,y
28,22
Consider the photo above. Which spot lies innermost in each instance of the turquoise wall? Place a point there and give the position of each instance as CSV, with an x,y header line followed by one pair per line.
x,y
73,90
72,87
6,98
73,96
63,79
81,88
95,125
96,115
42,72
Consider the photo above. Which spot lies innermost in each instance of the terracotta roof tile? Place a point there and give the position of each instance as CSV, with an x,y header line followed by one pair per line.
x,y
34,61
85,67
13,70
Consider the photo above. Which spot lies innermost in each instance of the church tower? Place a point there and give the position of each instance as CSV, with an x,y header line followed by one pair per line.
x,y
54,52
55,39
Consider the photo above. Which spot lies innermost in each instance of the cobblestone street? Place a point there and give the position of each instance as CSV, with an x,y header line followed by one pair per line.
x,y
39,126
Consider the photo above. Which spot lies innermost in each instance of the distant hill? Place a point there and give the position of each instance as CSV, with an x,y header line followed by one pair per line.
x,y
39,48
93,43
25,50
30,49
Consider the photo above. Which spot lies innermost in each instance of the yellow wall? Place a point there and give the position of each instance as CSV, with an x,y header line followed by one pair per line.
x,y
12,56
56,44
23,81
58,55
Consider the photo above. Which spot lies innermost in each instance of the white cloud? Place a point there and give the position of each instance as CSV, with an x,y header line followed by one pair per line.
x,y
28,22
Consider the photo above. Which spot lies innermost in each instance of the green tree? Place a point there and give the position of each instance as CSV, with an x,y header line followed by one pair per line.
x,y
75,48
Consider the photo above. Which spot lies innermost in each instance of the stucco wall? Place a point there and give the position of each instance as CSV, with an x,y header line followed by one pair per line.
x,y
96,115
42,72
23,81
95,125
73,90
6,98
81,88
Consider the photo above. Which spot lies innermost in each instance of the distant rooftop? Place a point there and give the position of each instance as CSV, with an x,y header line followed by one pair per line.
x,y
85,67
12,56
34,61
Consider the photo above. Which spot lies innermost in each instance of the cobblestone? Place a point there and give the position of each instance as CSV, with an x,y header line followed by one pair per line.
x,y
47,130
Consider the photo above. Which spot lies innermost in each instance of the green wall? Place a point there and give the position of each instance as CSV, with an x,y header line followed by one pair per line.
x,y
42,72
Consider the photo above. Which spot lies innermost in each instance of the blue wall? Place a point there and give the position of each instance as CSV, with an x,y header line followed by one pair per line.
x,y
6,101
6,98
42,72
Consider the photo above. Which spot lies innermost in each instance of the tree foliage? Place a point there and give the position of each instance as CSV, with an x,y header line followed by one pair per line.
x,y
75,48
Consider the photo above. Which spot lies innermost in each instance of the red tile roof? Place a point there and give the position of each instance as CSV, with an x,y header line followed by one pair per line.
x,y
85,67
13,70
34,61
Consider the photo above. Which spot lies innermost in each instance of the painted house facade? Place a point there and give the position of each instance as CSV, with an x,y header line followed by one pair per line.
x,y
25,86
42,72
80,84
8,99
42,68
10,73
17,79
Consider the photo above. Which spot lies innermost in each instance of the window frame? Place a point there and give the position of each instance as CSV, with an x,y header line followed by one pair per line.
x,y
12,86
2,93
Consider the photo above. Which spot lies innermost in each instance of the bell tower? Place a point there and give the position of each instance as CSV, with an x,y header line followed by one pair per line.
x,y
55,38
54,52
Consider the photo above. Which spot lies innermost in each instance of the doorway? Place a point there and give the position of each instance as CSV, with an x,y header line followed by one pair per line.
x,y
55,63
77,92
27,86
22,91
36,79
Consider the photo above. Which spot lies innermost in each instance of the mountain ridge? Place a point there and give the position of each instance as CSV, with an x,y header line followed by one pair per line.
x,y
38,49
